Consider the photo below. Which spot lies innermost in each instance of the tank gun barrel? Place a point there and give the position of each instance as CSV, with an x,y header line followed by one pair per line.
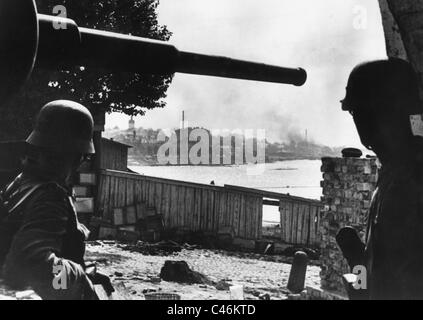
x,y
114,51
27,37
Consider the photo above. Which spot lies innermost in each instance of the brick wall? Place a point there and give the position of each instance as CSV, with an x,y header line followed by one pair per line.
x,y
348,184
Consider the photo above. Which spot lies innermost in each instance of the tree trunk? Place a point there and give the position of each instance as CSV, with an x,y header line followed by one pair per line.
x,y
409,17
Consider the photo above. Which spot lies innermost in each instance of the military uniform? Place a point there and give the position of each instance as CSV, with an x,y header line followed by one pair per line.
x,y
46,234
394,250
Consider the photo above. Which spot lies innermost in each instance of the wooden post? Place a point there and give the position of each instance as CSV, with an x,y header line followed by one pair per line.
x,y
298,272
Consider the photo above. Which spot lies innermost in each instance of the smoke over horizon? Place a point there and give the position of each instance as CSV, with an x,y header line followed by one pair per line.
x,y
318,36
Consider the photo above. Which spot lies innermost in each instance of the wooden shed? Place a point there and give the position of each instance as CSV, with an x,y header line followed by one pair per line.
x,y
114,155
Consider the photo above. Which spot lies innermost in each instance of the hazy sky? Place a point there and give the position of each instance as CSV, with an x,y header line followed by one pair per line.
x,y
319,36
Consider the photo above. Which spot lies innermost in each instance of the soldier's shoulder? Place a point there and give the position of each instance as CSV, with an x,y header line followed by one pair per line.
x,y
49,190
35,190
30,193
404,190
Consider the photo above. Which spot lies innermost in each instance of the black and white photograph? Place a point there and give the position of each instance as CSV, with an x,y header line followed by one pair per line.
x,y
211,154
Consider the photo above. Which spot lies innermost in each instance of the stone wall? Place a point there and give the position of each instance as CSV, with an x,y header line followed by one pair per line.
x,y
348,184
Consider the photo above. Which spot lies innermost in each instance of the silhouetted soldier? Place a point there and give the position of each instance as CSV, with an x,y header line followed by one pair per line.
x,y
383,98
41,235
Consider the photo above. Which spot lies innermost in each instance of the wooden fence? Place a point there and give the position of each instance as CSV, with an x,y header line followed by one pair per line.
x,y
300,222
208,208
299,217
187,205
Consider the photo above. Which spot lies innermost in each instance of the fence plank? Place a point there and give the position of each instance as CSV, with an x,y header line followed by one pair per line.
x,y
260,227
211,210
151,192
190,208
157,197
307,225
297,228
306,219
203,212
122,198
197,209
235,224
243,217
253,220
250,219
290,207
174,207
129,192
284,217
292,229
216,210
167,204
284,222
226,209
300,224
115,193
230,209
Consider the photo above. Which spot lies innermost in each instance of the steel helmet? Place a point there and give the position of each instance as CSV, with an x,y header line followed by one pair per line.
x,y
64,126
383,85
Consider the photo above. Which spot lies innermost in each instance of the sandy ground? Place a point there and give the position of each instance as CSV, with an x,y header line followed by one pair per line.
x,y
135,273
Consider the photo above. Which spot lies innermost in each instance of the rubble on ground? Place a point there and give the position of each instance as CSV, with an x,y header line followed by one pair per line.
x,y
7,293
262,276
179,271
135,269
162,248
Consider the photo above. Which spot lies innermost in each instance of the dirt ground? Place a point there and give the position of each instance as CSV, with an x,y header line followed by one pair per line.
x,y
135,273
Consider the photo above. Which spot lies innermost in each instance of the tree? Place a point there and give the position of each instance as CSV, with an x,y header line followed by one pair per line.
x,y
99,90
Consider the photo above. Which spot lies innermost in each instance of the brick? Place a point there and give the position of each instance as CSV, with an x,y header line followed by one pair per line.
x,y
87,179
84,205
81,191
363,186
366,204
367,169
348,194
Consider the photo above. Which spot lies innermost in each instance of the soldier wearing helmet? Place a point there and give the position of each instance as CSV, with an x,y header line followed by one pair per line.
x,y
43,245
383,99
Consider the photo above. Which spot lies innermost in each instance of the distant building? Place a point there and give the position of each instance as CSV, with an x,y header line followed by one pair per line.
x,y
131,124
